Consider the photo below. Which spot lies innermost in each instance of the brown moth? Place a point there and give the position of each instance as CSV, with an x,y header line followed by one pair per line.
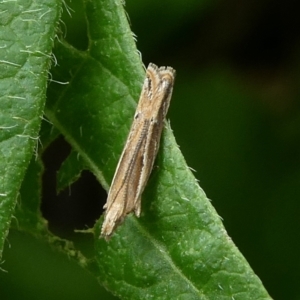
x,y
136,161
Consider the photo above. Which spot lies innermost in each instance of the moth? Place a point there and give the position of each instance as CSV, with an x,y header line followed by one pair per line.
x,y
137,159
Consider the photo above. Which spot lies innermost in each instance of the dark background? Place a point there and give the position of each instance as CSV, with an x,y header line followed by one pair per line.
x,y
235,113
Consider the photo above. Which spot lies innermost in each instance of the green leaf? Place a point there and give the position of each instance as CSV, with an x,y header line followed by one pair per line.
x,y
69,171
26,40
27,213
179,248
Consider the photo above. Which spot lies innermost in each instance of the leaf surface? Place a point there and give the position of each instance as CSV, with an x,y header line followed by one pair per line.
x,y
26,39
179,248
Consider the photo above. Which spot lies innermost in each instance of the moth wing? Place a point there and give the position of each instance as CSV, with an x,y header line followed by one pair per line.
x,y
159,104
122,194
141,148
